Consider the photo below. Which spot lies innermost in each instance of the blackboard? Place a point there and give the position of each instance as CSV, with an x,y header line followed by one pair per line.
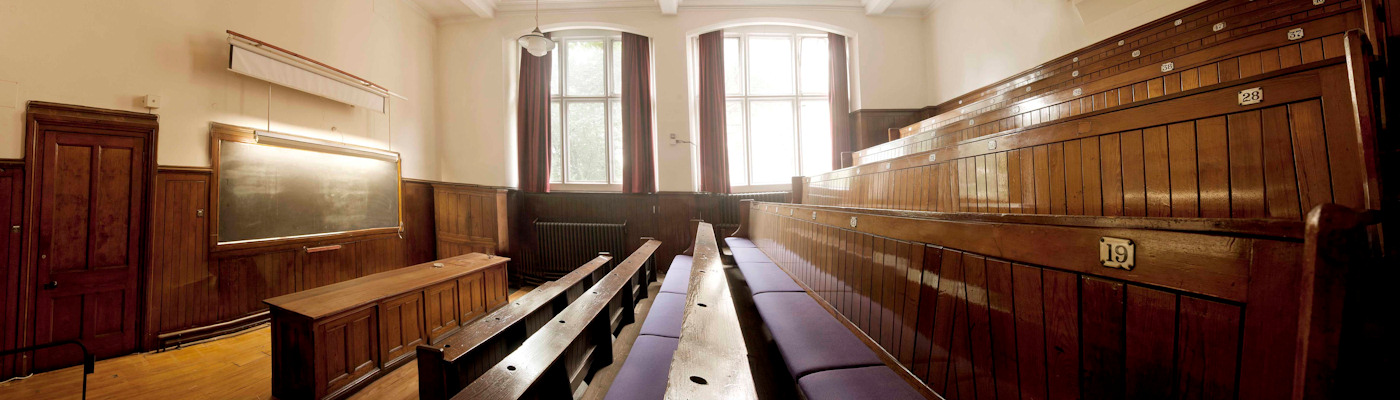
x,y
267,192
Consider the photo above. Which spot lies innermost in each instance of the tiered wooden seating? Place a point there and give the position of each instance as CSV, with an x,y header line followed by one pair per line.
x,y
561,355
446,367
690,346
1180,53
330,341
1309,141
1008,306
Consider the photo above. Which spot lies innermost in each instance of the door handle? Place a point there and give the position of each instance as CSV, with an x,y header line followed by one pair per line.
x,y
51,285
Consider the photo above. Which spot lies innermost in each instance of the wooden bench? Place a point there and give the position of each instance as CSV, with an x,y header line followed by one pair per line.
x,y
986,306
330,341
446,367
561,355
1310,140
1177,53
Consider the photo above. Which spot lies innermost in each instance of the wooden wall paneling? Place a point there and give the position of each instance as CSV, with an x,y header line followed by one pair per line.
x,y
1102,311
466,219
870,127
441,313
403,324
351,347
11,215
182,287
1149,321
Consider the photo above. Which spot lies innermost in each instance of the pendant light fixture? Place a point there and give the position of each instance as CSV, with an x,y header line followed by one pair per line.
x,y
535,42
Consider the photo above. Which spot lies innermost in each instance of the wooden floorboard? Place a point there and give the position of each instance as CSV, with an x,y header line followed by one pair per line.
x,y
234,367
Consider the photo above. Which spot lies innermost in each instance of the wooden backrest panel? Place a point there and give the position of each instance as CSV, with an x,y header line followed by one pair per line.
x,y
553,361
1262,51
450,364
1190,155
982,310
1164,40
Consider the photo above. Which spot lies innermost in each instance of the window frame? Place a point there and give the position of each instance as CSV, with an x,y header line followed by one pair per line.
x,y
795,99
609,99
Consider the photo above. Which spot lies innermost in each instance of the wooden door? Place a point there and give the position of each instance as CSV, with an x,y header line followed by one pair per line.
x,y
90,202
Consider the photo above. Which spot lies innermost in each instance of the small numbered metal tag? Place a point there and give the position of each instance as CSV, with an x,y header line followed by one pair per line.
x,y
1137,53
932,157
853,222
887,165
1078,91
1318,2
814,215
1177,23
789,212
1120,42
1218,27
1074,74
1076,59
1117,253
1168,67
971,122
1295,33
991,145
1251,96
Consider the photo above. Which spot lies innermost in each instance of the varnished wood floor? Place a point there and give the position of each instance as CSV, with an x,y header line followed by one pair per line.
x,y
236,367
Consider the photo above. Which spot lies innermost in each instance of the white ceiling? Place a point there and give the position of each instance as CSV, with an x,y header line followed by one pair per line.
x,y
489,8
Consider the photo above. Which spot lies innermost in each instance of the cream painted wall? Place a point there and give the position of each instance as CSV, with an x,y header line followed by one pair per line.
x,y
477,65
108,54
972,43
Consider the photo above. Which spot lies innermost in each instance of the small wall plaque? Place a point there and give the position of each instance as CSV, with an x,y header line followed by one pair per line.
x,y
1078,91
1074,74
1168,67
1218,27
853,222
1137,53
1251,96
1177,23
1318,2
991,145
1076,59
1117,253
932,157
1295,33
1120,42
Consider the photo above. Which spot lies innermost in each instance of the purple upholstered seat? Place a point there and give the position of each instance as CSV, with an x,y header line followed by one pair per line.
x,y
809,338
743,255
739,243
678,276
865,383
664,319
766,277
643,375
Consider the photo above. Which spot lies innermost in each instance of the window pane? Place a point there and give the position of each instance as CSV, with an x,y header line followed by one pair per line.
x,y
815,66
554,73
556,146
770,65
733,73
616,67
773,134
585,62
734,134
816,137
587,142
616,141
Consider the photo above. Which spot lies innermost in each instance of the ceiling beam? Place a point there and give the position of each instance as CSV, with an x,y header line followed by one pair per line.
x,y
669,7
482,8
877,7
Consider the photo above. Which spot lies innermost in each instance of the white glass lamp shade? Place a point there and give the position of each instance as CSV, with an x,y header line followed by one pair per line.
x,y
536,43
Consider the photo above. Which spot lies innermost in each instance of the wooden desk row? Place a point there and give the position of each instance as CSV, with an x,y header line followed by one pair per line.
x,y
330,341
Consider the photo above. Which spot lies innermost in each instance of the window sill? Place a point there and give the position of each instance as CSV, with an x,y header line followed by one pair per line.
x,y
584,187
777,187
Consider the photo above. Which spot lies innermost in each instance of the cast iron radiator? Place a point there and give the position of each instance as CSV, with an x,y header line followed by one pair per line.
x,y
562,246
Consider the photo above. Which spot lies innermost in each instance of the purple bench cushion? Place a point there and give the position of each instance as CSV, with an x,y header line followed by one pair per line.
x,y
743,255
678,276
664,319
809,338
643,375
865,383
766,277
738,242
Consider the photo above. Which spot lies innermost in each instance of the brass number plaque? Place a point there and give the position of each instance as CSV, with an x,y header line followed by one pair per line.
x,y
1251,96
1117,253
1295,34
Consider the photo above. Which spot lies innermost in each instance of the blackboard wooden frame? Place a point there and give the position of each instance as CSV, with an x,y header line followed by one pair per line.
x,y
231,133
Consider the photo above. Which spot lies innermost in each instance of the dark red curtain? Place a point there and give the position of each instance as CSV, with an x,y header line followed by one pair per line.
x,y
840,100
714,157
532,123
639,160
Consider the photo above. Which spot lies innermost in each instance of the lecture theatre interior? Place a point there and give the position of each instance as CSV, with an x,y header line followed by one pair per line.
x,y
698,199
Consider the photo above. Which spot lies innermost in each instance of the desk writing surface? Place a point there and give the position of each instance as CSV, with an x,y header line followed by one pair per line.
x,y
334,298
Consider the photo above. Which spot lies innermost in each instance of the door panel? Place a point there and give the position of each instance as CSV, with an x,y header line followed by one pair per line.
x,y
90,196
10,188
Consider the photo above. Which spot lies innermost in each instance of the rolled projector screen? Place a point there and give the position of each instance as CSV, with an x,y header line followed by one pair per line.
x,y
259,66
